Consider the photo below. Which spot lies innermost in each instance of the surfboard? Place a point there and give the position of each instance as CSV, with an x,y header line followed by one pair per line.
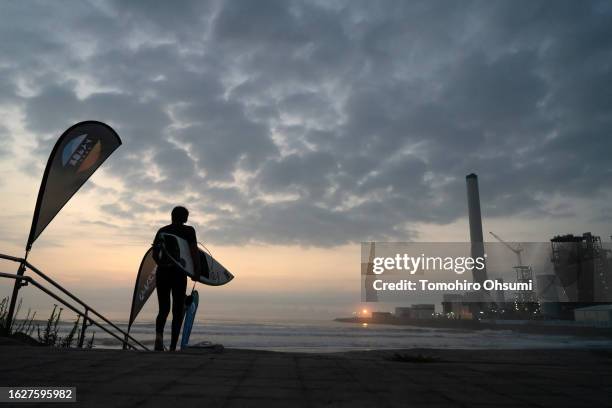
x,y
212,272
191,307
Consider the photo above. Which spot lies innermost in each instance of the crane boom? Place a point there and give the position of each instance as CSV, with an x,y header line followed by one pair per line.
x,y
517,250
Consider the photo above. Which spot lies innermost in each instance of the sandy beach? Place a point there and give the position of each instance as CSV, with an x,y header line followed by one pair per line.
x,y
245,378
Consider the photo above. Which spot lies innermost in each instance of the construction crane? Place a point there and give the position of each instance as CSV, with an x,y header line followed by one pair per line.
x,y
516,250
525,300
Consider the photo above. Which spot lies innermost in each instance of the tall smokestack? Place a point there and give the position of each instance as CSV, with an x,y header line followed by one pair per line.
x,y
476,239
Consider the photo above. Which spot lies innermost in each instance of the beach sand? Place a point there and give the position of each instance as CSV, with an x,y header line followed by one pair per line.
x,y
247,378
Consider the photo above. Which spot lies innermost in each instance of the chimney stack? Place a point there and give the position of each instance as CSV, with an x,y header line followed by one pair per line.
x,y
475,218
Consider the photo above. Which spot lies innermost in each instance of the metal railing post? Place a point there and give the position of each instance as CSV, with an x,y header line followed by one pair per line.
x,y
18,284
83,328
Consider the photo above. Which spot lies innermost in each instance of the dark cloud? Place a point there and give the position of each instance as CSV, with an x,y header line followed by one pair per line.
x,y
225,138
320,123
307,174
302,223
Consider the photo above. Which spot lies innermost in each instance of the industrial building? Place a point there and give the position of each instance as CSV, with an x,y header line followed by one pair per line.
x,y
382,317
582,277
594,316
584,268
422,311
454,306
547,286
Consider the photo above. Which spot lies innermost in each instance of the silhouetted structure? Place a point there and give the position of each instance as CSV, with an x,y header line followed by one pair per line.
x,y
475,218
584,269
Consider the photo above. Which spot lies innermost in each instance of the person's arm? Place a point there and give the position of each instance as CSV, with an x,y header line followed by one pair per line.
x,y
195,255
156,248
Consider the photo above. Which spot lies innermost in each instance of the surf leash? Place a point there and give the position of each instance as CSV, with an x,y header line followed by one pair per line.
x,y
212,260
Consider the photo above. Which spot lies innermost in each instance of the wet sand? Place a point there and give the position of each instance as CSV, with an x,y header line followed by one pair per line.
x,y
246,378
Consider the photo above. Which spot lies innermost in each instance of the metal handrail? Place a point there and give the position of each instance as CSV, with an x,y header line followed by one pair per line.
x,y
29,279
73,297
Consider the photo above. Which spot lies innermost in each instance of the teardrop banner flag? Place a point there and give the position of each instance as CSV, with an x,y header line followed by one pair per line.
x,y
77,154
145,285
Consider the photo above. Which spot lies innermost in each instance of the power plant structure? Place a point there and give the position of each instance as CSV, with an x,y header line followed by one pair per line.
x,y
477,302
547,286
475,219
367,276
526,302
582,276
583,268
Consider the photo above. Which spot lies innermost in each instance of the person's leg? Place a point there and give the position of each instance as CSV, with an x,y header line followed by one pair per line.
x,y
163,288
179,286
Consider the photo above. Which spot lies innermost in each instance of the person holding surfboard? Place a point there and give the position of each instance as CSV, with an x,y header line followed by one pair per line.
x,y
170,278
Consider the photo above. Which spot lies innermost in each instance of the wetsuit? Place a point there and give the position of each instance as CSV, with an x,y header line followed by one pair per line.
x,y
170,279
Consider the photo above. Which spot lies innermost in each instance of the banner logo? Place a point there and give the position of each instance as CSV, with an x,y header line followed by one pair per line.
x,y
81,153
148,286
78,152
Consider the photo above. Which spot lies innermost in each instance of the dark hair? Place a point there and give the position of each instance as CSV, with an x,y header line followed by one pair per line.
x,y
180,215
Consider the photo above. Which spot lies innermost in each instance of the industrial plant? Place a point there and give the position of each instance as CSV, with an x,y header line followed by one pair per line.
x,y
579,289
574,290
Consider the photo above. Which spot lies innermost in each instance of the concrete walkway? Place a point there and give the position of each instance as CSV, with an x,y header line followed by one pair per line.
x,y
242,378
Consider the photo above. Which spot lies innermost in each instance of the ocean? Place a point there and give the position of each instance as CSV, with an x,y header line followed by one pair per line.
x,y
331,336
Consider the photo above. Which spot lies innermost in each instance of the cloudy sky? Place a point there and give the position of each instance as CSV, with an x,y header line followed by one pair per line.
x,y
294,130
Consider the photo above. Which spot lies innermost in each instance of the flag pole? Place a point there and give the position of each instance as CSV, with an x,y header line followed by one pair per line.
x,y
18,284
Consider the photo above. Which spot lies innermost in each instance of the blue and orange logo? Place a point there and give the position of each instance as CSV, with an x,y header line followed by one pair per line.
x,y
81,153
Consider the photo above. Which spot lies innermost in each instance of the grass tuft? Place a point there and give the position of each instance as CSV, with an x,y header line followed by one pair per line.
x,y
48,336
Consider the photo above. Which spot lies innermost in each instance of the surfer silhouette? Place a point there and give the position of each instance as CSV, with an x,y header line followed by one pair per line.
x,y
170,279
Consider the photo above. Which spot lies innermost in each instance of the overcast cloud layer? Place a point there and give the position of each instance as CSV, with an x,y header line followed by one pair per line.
x,y
324,122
